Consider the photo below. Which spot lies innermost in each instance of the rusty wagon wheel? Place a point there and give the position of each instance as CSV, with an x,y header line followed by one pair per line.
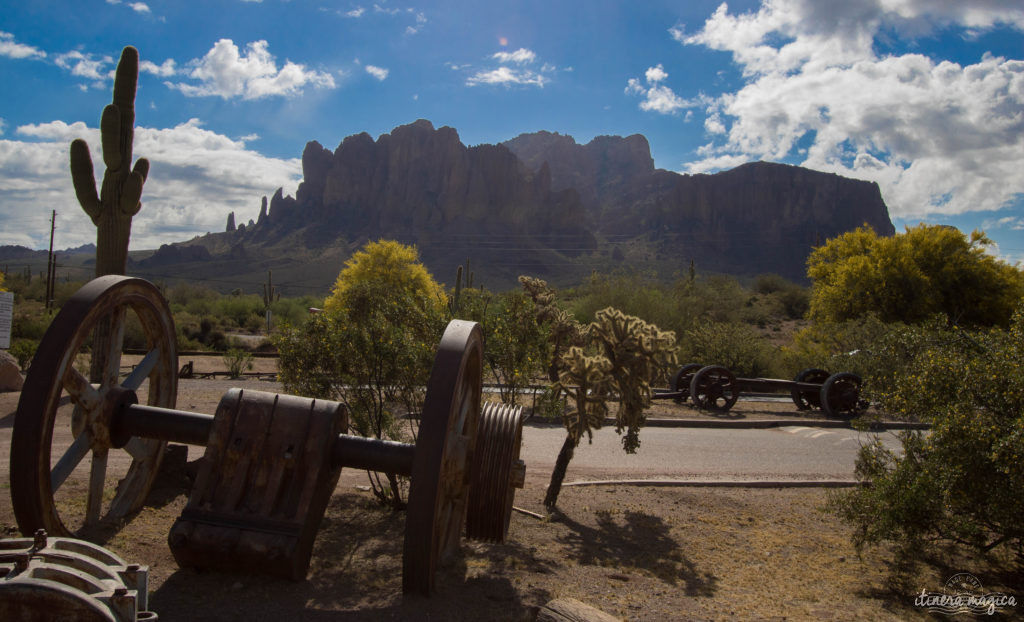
x,y
497,473
447,437
806,400
681,381
714,388
57,394
840,396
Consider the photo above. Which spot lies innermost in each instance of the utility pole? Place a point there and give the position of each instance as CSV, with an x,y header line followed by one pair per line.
x,y
49,265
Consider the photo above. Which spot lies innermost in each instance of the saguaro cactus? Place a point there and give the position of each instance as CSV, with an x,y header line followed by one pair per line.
x,y
118,200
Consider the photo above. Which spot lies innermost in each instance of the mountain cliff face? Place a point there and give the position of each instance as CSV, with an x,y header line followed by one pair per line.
x,y
420,184
758,217
538,204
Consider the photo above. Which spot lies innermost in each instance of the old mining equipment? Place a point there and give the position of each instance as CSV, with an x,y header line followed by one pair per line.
x,y
44,578
271,461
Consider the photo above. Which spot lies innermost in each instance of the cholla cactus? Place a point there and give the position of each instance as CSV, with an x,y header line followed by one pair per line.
x,y
112,209
637,353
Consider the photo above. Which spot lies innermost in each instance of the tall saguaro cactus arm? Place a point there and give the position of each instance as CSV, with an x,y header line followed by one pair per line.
x,y
111,210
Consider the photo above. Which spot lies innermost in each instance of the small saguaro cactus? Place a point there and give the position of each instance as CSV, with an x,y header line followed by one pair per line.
x,y
112,209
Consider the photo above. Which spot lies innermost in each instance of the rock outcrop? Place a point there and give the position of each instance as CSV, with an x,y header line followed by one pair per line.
x,y
421,185
758,217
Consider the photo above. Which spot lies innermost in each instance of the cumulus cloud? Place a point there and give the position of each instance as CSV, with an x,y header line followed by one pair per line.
x,y
12,49
225,72
165,70
377,72
356,12
196,178
938,137
657,97
521,74
85,66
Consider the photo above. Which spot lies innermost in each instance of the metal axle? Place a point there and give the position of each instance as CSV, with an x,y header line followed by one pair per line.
x,y
180,426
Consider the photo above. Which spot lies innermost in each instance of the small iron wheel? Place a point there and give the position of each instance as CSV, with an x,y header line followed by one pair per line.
x,y
840,396
681,381
714,388
806,400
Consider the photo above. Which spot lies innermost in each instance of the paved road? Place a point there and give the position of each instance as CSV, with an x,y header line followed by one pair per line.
x,y
786,453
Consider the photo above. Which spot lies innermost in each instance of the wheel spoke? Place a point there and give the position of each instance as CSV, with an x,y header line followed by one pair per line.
x,y
112,360
138,448
70,460
142,370
97,482
81,391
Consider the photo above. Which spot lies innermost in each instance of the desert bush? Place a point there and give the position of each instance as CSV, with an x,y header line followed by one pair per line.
x,y
962,483
23,350
733,345
237,361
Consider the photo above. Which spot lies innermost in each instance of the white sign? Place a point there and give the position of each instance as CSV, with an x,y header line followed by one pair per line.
x,y
6,315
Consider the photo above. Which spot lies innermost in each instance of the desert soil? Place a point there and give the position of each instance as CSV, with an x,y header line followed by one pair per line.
x,y
637,553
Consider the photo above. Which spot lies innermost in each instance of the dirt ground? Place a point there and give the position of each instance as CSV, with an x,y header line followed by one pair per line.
x,y
637,553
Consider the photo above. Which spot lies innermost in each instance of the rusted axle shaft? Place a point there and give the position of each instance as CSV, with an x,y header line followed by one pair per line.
x,y
179,426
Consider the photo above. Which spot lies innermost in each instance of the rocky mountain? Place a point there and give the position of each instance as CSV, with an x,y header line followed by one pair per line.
x,y
758,217
538,204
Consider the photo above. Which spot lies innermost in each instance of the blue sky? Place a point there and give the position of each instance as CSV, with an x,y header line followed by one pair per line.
x,y
925,97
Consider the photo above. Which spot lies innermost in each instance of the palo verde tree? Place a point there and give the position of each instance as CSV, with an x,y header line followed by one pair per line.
x,y
372,347
909,277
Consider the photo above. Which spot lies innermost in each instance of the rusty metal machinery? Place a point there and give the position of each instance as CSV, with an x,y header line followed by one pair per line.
x,y
717,389
44,578
271,461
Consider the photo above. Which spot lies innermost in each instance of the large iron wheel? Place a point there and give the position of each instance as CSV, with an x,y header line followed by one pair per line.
x,y
714,388
806,400
441,468
840,396
681,381
81,483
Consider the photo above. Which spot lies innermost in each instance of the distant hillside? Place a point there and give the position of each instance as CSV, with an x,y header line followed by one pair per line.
x,y
538,204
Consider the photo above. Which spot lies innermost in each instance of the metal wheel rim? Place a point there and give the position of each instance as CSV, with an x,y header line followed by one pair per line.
x,y
807,400
840,395
32,491
444,456
714,388
680,382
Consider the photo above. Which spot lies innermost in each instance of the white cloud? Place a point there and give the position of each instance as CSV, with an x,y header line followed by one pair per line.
x,y
356,12
938,137
138,7
657,97
225,73
12,49
85,65
165,70
196,178
377,72
520,56
509,76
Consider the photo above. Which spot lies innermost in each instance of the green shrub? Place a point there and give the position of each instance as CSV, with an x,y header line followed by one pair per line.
x,y
734,345
24,350
237,361
964,482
